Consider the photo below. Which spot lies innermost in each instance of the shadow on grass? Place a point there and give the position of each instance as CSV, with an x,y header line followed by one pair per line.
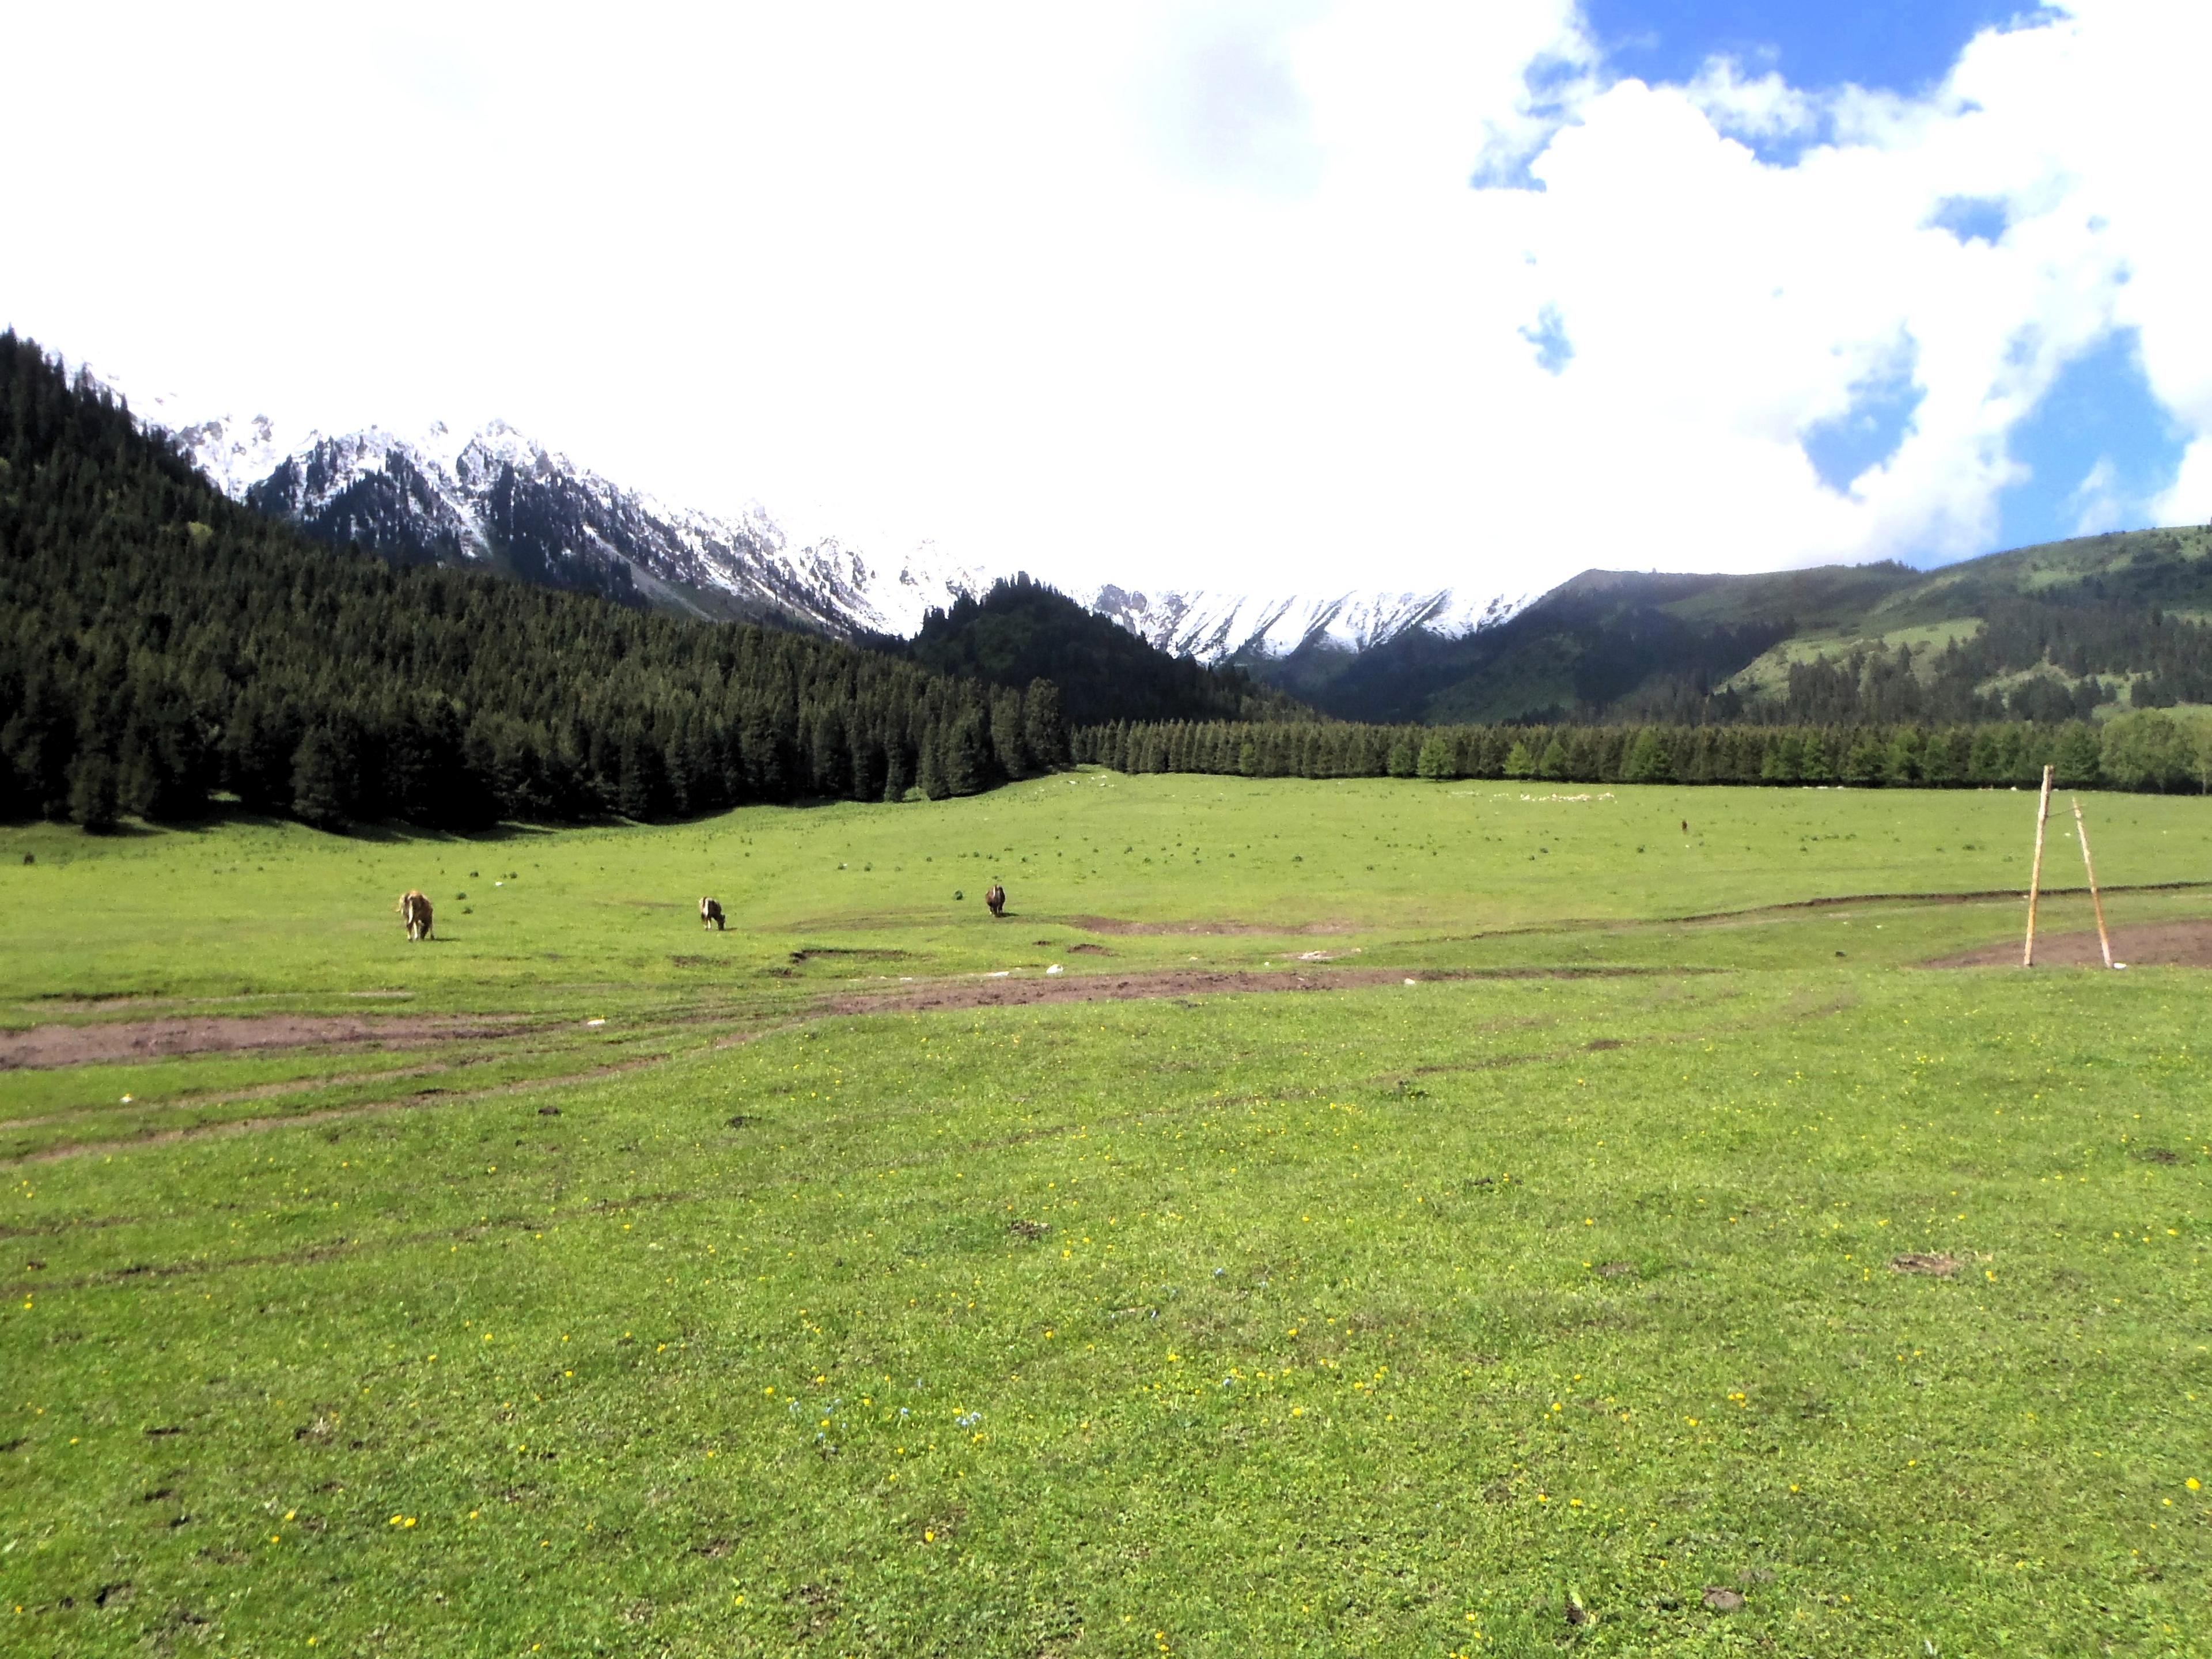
x,y
221,816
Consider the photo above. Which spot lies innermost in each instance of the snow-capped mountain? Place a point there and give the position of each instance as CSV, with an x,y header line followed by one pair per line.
x,y
495,496
1217,626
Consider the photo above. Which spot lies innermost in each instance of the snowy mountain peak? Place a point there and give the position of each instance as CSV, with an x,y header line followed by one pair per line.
x,y
493,494
1216,627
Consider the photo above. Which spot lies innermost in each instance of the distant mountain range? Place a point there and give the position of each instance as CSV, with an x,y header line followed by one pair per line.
x,y
495,496
2051,632
1246,630
2058,628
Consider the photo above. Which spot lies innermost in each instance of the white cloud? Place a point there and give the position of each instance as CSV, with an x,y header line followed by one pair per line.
x,y
1765,107
1146,293
2097,503
1224,103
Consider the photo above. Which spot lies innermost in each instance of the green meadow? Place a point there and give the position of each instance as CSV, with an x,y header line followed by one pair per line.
x,y
1414,1219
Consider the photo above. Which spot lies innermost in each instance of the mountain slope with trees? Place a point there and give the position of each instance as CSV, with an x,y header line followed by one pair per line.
x,y
2046,633
160,643
1022,631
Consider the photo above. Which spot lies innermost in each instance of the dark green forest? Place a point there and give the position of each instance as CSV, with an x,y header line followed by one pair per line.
x,y
2147,749
1022,631
159,644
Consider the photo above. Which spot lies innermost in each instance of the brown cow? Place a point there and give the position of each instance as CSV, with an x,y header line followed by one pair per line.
x,y
996,898
415,910
710,914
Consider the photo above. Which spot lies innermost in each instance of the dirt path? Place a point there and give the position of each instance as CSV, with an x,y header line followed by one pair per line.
x,y
1008,993
42,1047
1202,929
2147,945
1097,987
1982,895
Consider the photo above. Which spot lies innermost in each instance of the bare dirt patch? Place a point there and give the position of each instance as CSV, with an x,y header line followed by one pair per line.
x,y
1208,929
1914,1261
2146,945
45,1047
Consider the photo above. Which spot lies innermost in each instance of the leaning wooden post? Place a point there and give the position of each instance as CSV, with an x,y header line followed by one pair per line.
x,y
2035,870
2103,938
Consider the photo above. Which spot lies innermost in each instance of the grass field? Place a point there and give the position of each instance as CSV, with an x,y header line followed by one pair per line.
x,y
581,1282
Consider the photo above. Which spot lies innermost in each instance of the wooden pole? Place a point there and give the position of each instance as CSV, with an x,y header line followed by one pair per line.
x,y
2035,870
2103,938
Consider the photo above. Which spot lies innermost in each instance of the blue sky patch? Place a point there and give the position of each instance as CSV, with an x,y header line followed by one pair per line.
x,y
1972,218
2099,447
1893,46
1554,351
1843,447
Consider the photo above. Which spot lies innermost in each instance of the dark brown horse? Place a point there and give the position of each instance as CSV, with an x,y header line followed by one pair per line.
x,y
996,898
710,914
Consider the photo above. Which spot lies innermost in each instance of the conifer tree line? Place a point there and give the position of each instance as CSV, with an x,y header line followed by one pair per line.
x,y
160,643
2146,750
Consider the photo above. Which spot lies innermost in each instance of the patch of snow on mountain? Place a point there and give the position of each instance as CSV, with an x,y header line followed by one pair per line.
x,y
465,494
454,494
236,452
1215,627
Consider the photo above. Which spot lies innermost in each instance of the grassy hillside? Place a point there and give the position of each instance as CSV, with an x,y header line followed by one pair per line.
x,y
2044,632
1629,1280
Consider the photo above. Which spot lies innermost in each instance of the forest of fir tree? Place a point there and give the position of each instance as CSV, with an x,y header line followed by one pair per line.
x,y
162,646
2141,750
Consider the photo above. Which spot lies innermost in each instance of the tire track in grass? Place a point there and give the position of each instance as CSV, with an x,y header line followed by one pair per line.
x,y
204,1100
335,1249
333,1114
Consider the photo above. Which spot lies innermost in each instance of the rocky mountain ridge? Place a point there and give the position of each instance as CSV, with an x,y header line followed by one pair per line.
x,y
1253,630
494,496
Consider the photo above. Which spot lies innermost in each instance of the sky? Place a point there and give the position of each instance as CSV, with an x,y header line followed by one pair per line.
x,y
1286,297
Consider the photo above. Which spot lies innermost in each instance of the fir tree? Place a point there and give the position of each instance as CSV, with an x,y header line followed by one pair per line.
x,y
91,792
318,793
929,773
